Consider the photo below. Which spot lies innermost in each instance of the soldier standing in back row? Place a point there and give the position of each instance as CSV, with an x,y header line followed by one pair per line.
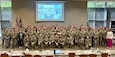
x,y
7,36
3,37
77,36
104,37
14,38
82,38
96,38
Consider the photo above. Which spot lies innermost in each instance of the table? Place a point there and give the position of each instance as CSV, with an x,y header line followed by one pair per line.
x,y
62,53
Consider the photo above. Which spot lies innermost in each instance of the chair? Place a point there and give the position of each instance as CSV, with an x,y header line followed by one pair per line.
x,y
104,55
15,56
71,54
4,55
49,56
27,55
37,56
83,55
92,55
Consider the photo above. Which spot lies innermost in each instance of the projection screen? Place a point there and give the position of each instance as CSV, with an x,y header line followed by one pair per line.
x,y
50,11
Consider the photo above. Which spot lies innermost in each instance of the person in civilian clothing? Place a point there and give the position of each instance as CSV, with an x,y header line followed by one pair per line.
x,y
109,39
20,38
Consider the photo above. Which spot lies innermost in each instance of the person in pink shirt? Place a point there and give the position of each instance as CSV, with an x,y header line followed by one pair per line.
x,y
109,38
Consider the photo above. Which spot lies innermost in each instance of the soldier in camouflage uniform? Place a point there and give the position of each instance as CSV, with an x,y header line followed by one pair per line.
x,y
37,34
56,41
14,38
91,36
96,38
82,38
51,40
100,36
40,41
7,40
46,40
33,41
104,37
3,37
87,42
62,42
70,41
27,42
77,36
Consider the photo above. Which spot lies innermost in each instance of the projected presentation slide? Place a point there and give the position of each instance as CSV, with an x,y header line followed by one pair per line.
x,y
50,12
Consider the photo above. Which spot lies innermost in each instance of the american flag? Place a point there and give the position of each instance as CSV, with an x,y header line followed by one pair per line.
x,y
17,23
20,23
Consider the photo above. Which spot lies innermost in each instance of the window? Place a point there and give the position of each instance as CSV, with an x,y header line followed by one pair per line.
x,y
91,23
91,4
6,10
110,4
99,23
112,14
91,15
5,14
6,24
99,4
101,13
113,24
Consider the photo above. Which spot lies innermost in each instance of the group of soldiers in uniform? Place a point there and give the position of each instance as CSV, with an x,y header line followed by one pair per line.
x,y
54,36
